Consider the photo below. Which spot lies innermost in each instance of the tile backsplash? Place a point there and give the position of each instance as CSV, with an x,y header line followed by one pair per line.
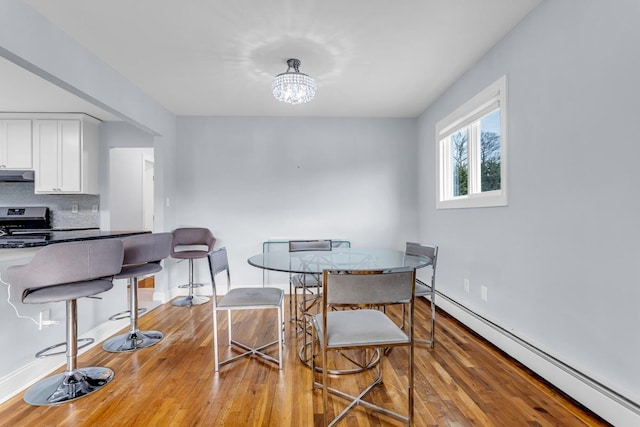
x,y
60,205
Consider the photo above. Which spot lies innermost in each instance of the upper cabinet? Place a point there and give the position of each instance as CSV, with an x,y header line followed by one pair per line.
x,y
15,144
65,154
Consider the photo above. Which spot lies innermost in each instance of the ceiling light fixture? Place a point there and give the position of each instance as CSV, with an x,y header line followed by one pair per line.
x,y
293,87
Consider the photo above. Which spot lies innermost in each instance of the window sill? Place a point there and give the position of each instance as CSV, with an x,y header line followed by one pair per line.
x,y
486,200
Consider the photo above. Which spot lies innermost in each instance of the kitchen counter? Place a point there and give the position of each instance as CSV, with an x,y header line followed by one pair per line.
x,y
75,236
88,234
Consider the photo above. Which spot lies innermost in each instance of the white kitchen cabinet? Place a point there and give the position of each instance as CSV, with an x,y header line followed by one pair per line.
x,y
65,155
15,144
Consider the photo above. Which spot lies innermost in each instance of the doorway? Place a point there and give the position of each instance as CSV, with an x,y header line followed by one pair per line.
x,y
131,186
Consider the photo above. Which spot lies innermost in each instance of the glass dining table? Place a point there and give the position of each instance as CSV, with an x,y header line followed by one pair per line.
x,y
343,258
315,262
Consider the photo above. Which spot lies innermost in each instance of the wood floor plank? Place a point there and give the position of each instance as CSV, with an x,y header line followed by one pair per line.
x,y
464,381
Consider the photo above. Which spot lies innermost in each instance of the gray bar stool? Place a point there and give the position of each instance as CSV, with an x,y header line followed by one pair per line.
x,y
142,256
66,272
191,243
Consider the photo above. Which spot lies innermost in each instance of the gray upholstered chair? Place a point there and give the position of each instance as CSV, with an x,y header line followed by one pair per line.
x,y
191,243
340,327
427,289
142,257
305,283
244,299
66,272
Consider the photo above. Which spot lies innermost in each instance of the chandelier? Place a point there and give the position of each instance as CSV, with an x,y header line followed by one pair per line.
x,y
293,87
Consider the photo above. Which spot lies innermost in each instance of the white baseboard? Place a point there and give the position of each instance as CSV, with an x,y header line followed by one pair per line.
x,y
612,407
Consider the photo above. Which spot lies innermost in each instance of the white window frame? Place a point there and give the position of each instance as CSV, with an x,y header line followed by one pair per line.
x,y
491,98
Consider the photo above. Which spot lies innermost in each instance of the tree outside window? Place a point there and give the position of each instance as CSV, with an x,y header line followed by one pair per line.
x,y
471,152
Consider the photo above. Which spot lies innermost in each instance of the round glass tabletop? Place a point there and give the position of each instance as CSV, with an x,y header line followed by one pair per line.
x,y
314,262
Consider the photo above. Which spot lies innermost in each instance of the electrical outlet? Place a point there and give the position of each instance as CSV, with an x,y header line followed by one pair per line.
x,y
466,285
45,316
483,293
94,208
74,209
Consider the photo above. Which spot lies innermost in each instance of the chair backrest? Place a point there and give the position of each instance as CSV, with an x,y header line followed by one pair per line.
x,y
63,263
219,262
360,287
423,250
192,236
145,248
309,245
428,251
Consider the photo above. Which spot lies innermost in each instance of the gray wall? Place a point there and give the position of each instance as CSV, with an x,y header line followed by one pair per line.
x,y
561,261
252,179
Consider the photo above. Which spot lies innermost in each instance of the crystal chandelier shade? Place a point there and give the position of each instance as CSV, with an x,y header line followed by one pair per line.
x,y
293,87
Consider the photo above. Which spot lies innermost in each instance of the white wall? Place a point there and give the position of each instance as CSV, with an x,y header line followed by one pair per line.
x,y
252,179
561,261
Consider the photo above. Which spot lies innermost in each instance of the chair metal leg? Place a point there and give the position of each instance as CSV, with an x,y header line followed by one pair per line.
x,y
134,339
280,326
292,314
190,299
359,399
216,357
74,383
432,336
245,349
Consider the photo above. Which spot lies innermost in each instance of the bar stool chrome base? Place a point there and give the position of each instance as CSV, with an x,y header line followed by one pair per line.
x,y
68,386
132,341
190,300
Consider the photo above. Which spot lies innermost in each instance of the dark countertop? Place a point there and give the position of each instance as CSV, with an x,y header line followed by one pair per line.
x,y
90,234
79,235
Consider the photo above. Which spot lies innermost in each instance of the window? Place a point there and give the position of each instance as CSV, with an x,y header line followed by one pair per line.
x,y
471,152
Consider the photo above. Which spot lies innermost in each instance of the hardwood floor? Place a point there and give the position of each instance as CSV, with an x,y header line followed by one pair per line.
x,y
462,382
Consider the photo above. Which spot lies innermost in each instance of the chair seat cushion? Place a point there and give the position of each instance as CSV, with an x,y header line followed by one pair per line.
x,y
189,254
353,328
251,297
138,270
65,292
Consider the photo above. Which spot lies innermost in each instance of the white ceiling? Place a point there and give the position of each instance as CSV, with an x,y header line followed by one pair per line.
x,y
371,58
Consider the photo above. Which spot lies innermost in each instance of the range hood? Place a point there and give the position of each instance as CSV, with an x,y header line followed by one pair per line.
x,y
16,175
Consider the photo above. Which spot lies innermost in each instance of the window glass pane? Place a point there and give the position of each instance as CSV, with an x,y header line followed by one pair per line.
x,y
459,162
490,151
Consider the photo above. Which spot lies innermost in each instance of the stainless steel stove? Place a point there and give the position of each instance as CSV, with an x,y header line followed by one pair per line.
x,y
24,226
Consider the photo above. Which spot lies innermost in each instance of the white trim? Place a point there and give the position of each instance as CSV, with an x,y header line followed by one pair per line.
x,y
146,159
489,99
